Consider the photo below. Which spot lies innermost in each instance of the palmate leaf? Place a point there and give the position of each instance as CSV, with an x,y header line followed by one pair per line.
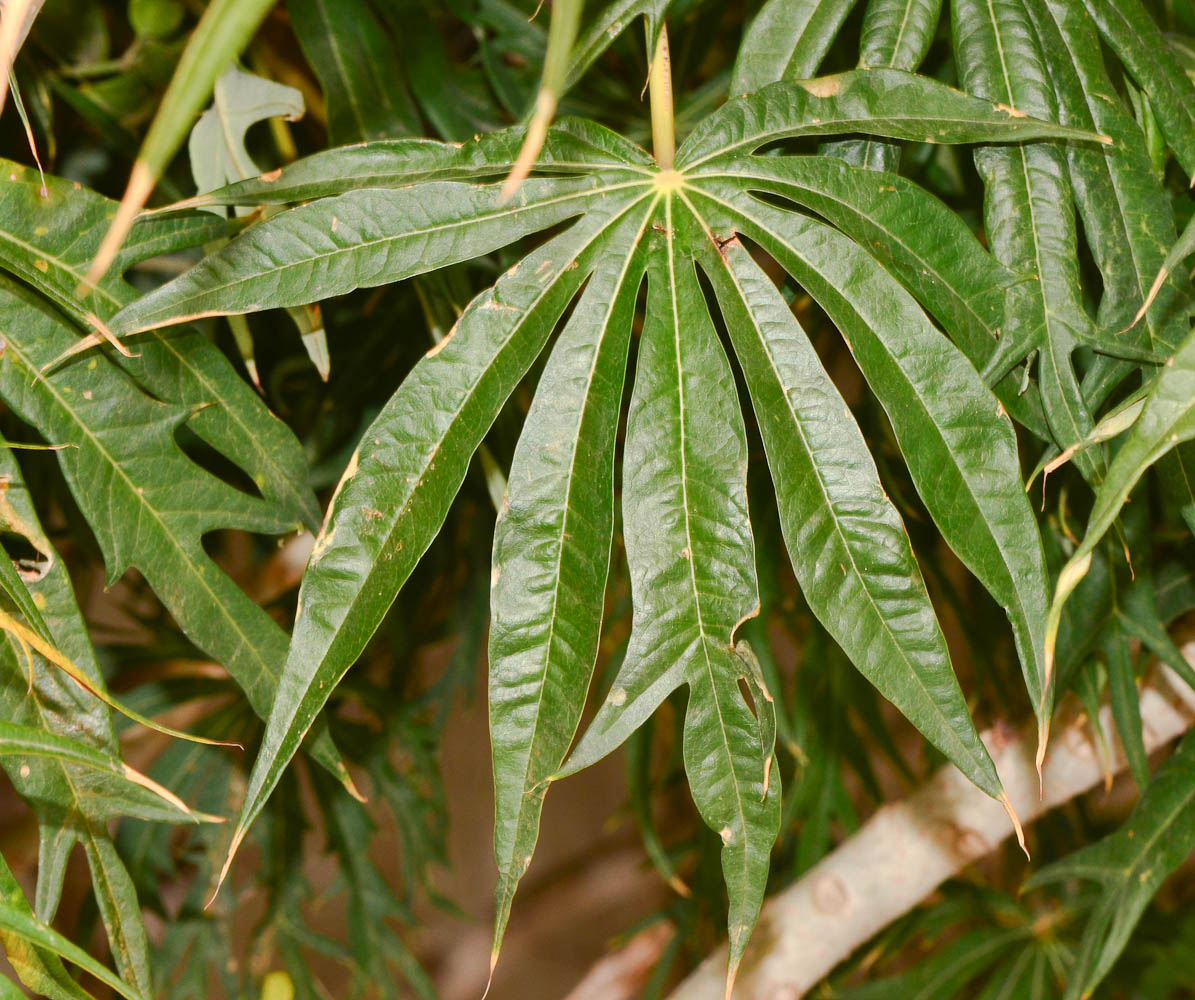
x,y
689,540
1130,865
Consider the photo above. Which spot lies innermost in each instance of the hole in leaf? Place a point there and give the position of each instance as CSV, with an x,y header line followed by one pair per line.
x,y
24,554
748,696
210,460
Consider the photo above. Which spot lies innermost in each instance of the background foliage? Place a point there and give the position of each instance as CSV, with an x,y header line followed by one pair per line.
x,y
801,381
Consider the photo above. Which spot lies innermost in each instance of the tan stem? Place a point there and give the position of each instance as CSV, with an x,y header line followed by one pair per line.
x,y
659,87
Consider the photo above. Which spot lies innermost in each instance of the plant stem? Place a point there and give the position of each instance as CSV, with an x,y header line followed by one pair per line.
x,y
663,130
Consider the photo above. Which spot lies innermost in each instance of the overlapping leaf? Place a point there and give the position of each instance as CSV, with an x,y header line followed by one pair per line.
x,y
1167,419
551,559
847,543
1029,216
35,950
1126,215
148,503
896,35
691,557
42,707
684,507
397,489
787,40
1129,29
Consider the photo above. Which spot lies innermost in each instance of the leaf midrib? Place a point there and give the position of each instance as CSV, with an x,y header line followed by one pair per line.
x,y
1142,275
232,412
893,234
838,530
292,263
568,506
154,513
705,637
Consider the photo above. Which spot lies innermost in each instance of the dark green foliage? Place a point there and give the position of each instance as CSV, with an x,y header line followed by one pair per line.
x,y
763,410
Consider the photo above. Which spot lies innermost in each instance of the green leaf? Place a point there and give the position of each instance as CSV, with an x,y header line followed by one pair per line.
x,y
1126,215
1167,419
239,100
1134,36
572,146
551,560
35,694
19,928
615,18
149,504
362,239
896,35
884,102
1175,256
947,973
398,486
1126,705
1029,217
848,546
47,242
923,243
1130,866
355,59
960,447
117,789
787,40
691,558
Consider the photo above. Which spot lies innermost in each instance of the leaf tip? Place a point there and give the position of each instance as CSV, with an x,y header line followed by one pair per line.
x,y
490,979
237,836
1016,822
350,786
679,887
732,971
1043,741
